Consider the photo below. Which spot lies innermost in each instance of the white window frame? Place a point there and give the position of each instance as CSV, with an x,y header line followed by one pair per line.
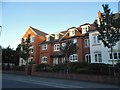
x,y
113,57
63,59
31,49
63,44
99,59
95,39
88,60
71,32
57,36
44,59
44,47
73,58
47,38
56,48
87,43
32,38
75,40
55,61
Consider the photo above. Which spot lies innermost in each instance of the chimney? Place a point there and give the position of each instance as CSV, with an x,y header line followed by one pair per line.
x,y
99,14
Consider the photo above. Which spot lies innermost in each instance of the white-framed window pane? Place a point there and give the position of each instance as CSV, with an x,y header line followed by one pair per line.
x,y
63,44
56,47
110,55
100,57
95,57
47,38
32,39
44,59
94,39
88,58
119,55
115,55
44,47
98,41
55,61
87,42
75,41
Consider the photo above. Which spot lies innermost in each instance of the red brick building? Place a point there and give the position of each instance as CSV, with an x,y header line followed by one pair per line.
x,y
46,47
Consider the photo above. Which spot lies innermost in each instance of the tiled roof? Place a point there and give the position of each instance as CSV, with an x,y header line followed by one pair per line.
x,y
38,32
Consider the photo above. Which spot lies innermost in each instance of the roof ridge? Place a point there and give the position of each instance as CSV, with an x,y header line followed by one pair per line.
x,y
39,32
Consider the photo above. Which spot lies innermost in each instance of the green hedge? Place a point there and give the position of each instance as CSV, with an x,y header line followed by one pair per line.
x,y
44,67
80,68
20,68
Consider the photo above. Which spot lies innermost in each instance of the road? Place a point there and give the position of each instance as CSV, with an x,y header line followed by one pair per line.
x,y
21,81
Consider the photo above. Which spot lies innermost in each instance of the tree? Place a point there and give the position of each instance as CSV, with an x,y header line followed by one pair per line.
x,y
9,56
69,49
109,29
24,49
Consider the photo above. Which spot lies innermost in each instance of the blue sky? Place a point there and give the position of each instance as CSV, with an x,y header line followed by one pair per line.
x,y
49,17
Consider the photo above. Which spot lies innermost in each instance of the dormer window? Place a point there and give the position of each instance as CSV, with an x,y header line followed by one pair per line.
x,y
72,33
57,36
85,29
47,37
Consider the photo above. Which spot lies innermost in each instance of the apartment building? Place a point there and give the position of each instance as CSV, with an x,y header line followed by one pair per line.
x,y
50,48
46,47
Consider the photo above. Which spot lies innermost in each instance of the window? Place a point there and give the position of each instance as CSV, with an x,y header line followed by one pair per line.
x,y
72,32
88,58
56,47
48,38
44,47
44,59
63,44
95,57
32,49
87,42
110,55
55,61
96,39
56,36
63,59
98,57
73,58
74,40
115,55
32,38
86,28
119,55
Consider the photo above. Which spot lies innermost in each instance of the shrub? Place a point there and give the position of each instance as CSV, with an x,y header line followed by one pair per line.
x,y
99,68
60,68
49,69
32,62
19,68
42,67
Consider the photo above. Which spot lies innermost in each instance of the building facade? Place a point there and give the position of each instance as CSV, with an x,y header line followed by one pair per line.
x,y
100,53
36,37
46,47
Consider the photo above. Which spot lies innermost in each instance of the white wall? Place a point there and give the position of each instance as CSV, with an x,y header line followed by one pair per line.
x,y
100,48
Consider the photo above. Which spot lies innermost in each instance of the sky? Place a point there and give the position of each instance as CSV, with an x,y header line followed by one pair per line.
x,y
50,17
